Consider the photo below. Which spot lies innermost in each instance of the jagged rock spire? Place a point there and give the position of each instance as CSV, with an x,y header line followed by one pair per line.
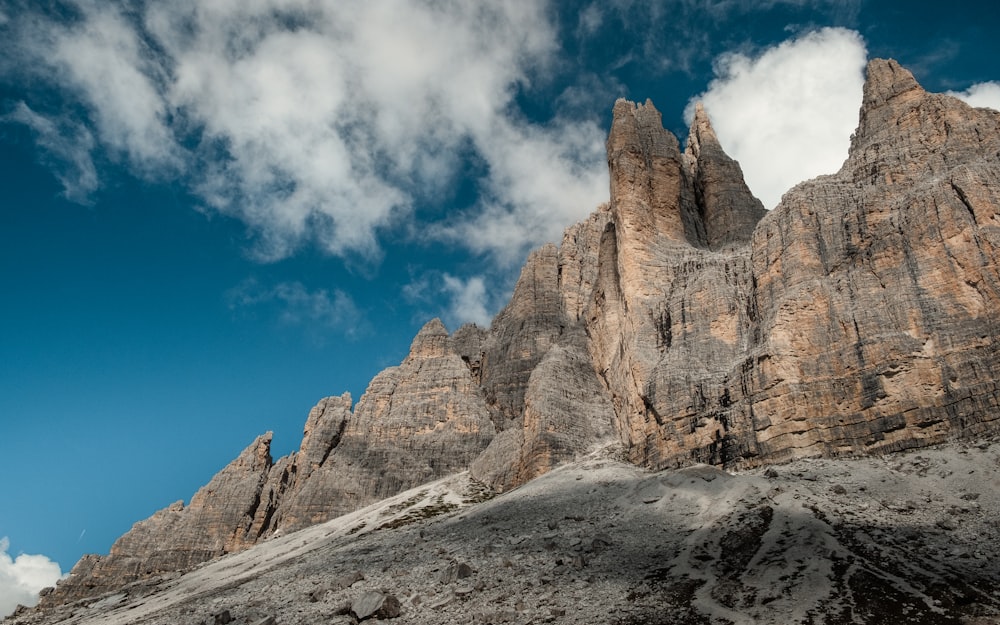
x,y
728,208
906,134
701,131
699,197
886,79
431,341
649,193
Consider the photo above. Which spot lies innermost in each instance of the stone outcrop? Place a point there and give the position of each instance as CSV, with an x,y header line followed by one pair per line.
x,y
546,399
877,288
727,208
680,320
859,319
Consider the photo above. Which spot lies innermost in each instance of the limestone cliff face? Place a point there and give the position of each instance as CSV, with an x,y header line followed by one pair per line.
x,y
878,287
680,320
860,318
416,422
669,317
547,401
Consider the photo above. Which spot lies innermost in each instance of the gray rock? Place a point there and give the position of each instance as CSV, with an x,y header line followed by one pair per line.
x,y
375,604
346,581
456,571
340,583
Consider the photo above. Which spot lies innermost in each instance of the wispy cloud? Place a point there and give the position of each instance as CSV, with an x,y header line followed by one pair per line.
x,y
542,180
295,304
675,35
982,94
22,577
67,147
318,121
787,114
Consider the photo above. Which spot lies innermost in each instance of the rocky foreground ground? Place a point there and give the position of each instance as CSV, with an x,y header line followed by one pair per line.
x,y
905,538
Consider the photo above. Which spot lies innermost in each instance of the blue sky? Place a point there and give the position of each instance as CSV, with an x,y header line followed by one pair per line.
x,y
216,213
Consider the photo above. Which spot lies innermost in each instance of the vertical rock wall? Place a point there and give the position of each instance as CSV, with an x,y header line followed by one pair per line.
x,y
878,286
860,317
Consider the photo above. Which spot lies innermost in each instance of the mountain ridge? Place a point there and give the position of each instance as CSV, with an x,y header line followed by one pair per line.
x,y
680,321
904,538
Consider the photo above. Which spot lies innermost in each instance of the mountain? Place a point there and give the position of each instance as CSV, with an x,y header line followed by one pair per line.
x,y
910,537
686,325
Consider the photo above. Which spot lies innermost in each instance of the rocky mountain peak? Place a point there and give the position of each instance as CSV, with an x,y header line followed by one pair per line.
x,y
677,322
728,210
431,341
886,79
907,136
649,191
699,197
257,456
638,128
701,132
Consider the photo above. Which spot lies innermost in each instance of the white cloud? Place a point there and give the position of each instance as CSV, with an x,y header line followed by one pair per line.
x,y
297,305
22,577
787,114
983,94
456,300
542,180
469,301
323,121
104,59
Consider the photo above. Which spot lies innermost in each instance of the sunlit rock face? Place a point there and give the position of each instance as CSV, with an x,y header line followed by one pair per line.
x,y
877,287
671,314
860,316
680,321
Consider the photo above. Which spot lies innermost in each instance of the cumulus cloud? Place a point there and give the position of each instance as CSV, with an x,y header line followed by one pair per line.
x,y
322,121
22,577
787,114
468,300
297,305
983,94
